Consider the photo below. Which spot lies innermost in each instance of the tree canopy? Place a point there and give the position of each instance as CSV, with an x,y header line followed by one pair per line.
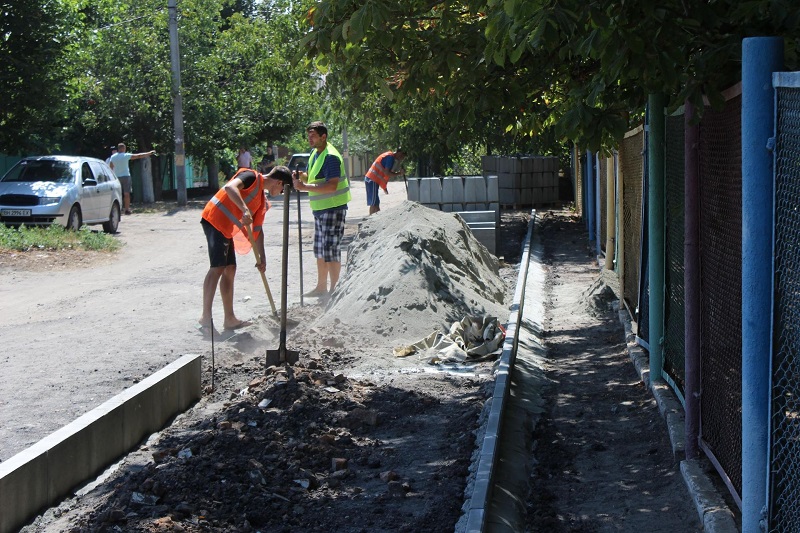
x,y
544,70
86,74
443,78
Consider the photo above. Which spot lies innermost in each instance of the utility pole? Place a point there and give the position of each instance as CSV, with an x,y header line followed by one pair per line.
x,y
177,104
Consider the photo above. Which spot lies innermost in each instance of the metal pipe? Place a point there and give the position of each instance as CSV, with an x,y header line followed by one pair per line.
x,y
691,280
610,218
761,56
655,232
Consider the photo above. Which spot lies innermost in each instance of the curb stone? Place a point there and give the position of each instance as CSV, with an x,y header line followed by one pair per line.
x,y
714,513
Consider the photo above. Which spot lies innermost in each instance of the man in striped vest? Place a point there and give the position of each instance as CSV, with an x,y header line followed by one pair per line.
x,y
379,175
328,193
241,203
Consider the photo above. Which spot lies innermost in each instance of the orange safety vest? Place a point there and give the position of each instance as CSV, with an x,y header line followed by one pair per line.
x,y
223,214
378,173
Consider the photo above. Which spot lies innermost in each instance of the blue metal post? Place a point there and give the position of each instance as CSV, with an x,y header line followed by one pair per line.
x,y
761,56
598,211
655,231
590,193
691,280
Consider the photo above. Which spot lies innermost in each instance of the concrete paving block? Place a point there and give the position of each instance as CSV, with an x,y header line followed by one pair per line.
x,y
505,180
477,216
486,236
507,196
491,189
47,471
515,165
503,166
527,164
453,190
526,196
489,163
538,165
527,180
425,191
709,503
470,191
474,189
435,188
22,492
413,189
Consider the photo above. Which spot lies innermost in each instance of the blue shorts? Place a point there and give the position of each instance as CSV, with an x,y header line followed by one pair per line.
x,y
328,233
220,248
372,192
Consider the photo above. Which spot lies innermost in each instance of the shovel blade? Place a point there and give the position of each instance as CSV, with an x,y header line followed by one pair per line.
x,y
282,356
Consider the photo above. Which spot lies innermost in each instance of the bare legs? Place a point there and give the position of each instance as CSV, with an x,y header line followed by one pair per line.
x,y
325,271
126,201
222,276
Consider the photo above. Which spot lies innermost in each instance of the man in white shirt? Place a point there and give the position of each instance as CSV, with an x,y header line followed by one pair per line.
x,y
119,163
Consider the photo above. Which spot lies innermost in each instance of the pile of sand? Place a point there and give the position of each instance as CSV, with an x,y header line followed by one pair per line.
x,y
412,270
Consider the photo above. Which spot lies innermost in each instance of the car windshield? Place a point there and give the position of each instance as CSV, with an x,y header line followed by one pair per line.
x,y
299,162
50,170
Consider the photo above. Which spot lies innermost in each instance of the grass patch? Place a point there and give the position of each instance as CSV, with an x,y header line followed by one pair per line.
x,y
55,237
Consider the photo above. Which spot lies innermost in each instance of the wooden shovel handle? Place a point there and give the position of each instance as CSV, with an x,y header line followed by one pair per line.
x,y
248,230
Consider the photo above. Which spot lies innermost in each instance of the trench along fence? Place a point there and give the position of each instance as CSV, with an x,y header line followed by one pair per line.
x,y
720,220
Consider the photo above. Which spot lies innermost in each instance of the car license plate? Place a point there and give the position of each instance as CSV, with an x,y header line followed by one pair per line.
x,y
15,212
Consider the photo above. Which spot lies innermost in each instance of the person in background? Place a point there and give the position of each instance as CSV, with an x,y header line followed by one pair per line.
x,y
244,159
120,164
379,175
267,162
328,193
113,151
240,203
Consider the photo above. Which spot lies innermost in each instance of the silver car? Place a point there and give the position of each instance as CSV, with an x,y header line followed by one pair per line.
x,y
66,190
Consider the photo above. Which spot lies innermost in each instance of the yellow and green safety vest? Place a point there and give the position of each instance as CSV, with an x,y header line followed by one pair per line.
x,y
329,200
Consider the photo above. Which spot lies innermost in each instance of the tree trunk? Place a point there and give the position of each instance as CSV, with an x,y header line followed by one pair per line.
x,y
213,173
158,177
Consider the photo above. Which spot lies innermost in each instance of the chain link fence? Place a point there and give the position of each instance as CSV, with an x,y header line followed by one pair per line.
x,y
721,281
674,303
785,410
631,171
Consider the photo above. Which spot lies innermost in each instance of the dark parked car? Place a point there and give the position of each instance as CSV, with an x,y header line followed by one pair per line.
x,y
66,190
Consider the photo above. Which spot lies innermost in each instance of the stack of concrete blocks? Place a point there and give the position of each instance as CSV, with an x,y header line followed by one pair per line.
x,y
523,181
456,194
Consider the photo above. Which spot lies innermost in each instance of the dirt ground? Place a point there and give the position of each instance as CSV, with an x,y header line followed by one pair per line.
x,y
602,459
350,439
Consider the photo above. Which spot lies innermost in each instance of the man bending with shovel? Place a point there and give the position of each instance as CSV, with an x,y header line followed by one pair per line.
x,y
236,206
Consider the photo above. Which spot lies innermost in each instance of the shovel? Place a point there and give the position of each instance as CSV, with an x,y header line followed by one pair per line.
x,y
249,232
282,355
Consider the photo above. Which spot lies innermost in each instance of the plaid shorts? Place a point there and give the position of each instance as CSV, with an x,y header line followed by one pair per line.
x,y
328,233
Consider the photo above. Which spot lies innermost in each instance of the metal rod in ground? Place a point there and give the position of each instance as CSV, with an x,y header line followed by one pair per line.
x,y
212,353
300,245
